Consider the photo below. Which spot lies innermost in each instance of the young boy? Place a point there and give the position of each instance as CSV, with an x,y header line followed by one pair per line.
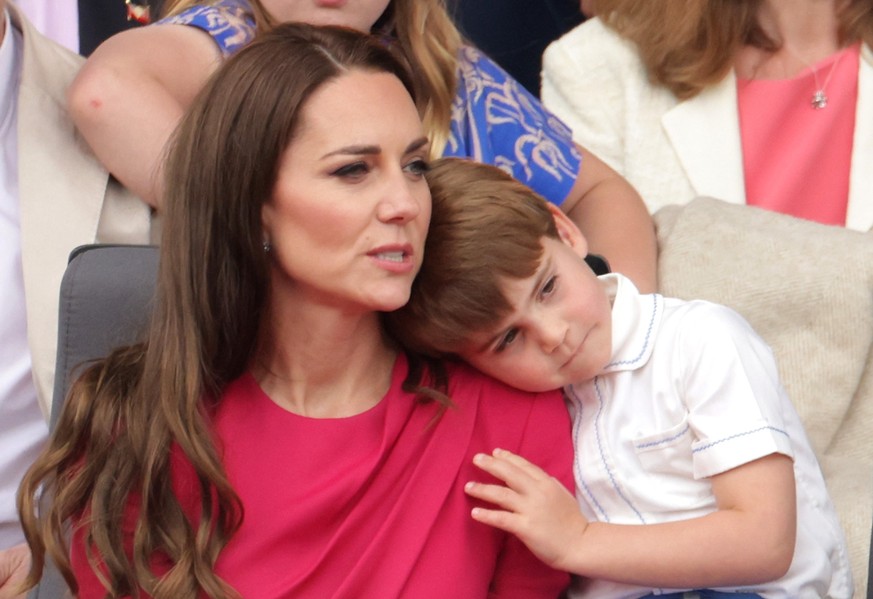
x,y
694,475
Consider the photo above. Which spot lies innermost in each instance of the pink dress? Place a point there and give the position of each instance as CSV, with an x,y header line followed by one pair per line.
x,y
796,158
372,506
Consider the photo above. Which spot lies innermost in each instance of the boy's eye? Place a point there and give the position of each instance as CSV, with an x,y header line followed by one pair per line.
x,y
418,167
507,340
549,287
353,170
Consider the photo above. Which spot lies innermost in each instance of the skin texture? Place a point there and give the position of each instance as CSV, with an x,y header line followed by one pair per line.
x,y
14,564
808,30
346,224
749,538
357,14
588,7
141,68
559,330
339,197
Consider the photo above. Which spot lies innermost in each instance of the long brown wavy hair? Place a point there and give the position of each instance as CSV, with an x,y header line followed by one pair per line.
x,y
687,45
429,40
126,415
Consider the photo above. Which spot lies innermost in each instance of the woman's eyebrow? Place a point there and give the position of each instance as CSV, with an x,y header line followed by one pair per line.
x,y
358,150
354,150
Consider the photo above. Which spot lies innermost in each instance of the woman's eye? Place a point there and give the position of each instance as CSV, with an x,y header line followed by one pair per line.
x,y
418,167
507,340
355,169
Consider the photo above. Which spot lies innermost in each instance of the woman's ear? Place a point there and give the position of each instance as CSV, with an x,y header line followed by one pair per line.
x,y
266,219
568,232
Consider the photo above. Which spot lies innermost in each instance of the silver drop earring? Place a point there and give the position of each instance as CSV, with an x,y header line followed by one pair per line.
x,y
267,246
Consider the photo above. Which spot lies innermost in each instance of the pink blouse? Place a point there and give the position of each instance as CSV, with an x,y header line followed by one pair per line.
x,y
797,158
373,506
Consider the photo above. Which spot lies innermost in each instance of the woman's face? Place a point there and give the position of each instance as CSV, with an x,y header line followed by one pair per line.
x,y
350,210
357,14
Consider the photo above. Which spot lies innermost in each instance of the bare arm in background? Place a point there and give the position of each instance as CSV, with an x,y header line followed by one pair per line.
x,y
615,221
132,91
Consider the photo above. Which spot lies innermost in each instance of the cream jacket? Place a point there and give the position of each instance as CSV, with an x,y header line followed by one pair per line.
x,y
67,197
671,150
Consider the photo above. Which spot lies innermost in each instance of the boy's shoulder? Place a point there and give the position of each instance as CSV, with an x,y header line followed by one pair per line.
x,y
700,326
702,315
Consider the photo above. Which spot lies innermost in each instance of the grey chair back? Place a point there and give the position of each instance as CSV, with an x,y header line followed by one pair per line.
x,y
105,302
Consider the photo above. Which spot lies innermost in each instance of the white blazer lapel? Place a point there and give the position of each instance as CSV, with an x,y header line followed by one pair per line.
x,y
705,134
860,210
61,188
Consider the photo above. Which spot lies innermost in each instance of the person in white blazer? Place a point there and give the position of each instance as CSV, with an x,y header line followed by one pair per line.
x,y
54,196
674,148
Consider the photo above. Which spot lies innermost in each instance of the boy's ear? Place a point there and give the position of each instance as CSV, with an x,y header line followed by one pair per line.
x,y
569,232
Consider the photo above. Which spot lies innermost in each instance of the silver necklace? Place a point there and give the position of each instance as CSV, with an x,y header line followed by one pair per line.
x,y
819,97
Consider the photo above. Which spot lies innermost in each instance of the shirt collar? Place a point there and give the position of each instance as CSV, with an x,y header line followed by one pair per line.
x,y
635,322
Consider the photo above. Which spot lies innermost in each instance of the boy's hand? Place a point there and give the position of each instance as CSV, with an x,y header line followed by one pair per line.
x,y
535,507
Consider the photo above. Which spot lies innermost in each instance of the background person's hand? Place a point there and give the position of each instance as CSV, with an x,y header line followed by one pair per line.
x,y
14,565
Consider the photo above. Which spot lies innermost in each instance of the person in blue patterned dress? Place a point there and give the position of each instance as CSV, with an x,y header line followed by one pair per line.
x,y
136,85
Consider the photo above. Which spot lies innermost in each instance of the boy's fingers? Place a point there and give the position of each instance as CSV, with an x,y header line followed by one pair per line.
x,y
522,464
499,495
498,519
500,468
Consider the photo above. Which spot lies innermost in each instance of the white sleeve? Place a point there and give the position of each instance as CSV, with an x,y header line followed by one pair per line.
x,y
731,388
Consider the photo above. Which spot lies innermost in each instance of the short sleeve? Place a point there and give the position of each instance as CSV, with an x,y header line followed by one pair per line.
x,y
732,391
496,121
231,23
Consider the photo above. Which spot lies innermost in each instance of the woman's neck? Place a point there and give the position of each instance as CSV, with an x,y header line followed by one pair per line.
x,y
806,32
320,363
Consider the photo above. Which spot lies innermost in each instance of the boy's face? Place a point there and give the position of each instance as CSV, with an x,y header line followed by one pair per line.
x,y
560,329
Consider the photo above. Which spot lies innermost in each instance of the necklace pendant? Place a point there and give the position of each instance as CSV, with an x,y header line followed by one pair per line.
x,y
819,100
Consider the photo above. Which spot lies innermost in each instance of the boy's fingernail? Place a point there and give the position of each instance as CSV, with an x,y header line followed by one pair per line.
x,y
479,458
469,486
499,452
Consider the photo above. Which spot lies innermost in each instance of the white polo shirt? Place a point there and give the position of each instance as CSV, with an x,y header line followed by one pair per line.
x,y
692,391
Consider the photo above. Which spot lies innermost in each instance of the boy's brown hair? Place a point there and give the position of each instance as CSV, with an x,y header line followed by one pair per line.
x,y
485,227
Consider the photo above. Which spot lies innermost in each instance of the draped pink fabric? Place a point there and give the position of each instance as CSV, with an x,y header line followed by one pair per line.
x,y
373,505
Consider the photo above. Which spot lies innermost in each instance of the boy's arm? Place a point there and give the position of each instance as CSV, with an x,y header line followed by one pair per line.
x,y
748,540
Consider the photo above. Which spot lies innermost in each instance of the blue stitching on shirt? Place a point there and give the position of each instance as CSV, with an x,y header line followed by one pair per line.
x,y
578,468
667,440
763,428
603,458
655,298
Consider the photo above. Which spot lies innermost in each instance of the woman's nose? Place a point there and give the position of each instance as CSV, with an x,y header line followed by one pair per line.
x,y
402,200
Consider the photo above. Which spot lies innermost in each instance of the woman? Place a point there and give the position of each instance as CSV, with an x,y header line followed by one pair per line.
x,y
267,439
134,88
764,102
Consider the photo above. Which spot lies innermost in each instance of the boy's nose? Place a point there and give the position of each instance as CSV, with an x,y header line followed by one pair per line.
x,y
552,333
